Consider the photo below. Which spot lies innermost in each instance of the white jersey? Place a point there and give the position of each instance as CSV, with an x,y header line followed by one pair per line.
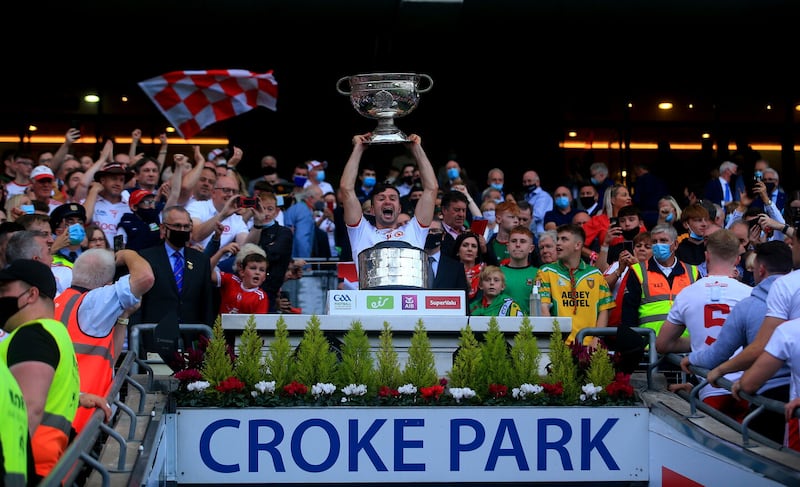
x,y
232,226
703,308
784,344
783,300
107,215
365,235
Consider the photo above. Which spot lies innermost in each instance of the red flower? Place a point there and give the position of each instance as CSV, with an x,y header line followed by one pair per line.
x,y
556,389
386,391
432,392
621,387
498,390
443,382
189,375
295,389
231,384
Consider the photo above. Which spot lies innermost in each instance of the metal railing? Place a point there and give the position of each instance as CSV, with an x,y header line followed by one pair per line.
x,y
652,358
134,340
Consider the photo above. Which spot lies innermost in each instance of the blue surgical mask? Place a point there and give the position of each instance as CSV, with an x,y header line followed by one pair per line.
x,y
594,181
498,201
453,173
661,251
561,202
669,218
320,176
489,215
497,186
695,236
269,223
76,234
369,182
300,181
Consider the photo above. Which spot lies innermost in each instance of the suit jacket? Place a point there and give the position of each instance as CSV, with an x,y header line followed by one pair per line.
x,y
450,275
714,192
194,304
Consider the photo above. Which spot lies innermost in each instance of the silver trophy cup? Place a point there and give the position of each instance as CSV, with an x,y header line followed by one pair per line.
x,y
384,97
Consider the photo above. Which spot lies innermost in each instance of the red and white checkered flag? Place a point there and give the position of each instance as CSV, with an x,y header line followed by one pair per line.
x,y
193,100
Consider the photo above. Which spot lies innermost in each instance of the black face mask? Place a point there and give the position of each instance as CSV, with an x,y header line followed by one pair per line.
x,y
9,306
629,234
770,187
587,201
178,238
433,240
148,215
409,180
530,187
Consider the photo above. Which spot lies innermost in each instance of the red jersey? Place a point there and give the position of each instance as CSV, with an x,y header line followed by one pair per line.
x,y
237,299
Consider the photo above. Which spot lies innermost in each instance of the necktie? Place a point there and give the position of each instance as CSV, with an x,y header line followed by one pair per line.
x,y
431,275
177,269
727,192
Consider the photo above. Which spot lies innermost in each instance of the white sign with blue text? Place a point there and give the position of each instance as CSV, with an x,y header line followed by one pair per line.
x,y
412,444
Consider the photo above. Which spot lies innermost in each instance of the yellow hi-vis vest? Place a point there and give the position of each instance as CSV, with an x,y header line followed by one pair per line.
x,y
14,432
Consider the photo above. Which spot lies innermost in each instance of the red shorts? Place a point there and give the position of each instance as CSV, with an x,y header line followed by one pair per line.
x,y
731,407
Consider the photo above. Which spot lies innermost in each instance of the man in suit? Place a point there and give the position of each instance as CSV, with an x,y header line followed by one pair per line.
x,y
448,273
165,302
721,190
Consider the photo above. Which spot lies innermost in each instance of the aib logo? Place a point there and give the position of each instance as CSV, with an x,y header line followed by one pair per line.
x,y
409,301
380,302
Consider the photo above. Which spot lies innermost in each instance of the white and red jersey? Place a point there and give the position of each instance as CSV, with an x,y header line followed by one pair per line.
x,y
107,215
365,235
703,308
12,188
232,226
235,298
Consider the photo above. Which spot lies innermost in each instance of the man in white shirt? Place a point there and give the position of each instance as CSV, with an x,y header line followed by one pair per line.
x,y
222,210
110,205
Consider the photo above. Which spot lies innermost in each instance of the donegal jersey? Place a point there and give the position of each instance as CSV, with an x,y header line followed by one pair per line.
x,y
519,282
579,294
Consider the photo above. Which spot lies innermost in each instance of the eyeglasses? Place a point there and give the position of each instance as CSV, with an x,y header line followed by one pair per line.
x,y
98,240
227,190
40,233
25,163
187,227
147,202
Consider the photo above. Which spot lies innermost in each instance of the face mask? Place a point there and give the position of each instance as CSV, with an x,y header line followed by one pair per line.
x,y
433,240
148,215
300,181
76,234
320,176
409,180
561,202
369,182
498,201
587,201
594,181
489,215
453,173
269,223
497,186
530,187
9,306
770,187
669,218
629,234
178,238
695,236
319,205
661,251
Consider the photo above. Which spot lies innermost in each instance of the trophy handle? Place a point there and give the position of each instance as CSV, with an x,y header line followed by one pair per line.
x,y
339,84
427,88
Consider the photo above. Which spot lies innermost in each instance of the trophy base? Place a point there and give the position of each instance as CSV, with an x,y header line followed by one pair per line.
x,y
388,138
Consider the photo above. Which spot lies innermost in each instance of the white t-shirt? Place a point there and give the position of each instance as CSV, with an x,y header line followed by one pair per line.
x,y
784,344
703,308
107,215
365,235
63,275
233,225
783,300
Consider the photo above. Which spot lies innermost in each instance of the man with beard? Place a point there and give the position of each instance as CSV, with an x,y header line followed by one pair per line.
x,y
386,203
140,229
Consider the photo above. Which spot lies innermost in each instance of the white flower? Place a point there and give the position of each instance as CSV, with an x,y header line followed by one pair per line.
x,y
459,393
408,389
264,387
355,390
525,389
198,385
319,389
590,390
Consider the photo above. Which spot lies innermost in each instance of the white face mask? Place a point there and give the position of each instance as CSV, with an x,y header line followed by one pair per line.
x,y
489,215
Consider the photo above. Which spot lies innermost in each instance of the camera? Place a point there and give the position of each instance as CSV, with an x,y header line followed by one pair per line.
x,y
244,202
795,216
614,221
758,176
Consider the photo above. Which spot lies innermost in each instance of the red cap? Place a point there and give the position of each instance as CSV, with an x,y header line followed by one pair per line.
x,y
137,196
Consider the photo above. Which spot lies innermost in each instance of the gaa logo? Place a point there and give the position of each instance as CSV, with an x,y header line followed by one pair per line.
x,y
342,298
380,302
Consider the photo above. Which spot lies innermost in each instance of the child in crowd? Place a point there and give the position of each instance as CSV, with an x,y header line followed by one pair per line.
x,y
241,293
492,301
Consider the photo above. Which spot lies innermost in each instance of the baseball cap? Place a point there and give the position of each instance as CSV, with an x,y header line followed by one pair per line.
x,y
111,169
317,165
137,197
42,172
31,272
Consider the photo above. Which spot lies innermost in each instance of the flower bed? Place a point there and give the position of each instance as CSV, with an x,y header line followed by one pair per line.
x,y
484,373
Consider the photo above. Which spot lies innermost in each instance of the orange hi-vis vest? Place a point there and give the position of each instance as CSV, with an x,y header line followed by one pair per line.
x,y
95,354
657,295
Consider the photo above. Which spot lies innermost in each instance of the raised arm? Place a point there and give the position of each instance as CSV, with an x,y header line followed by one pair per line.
x,y
136,136
162,152
141,274
88,177
347,183
430,186
58,158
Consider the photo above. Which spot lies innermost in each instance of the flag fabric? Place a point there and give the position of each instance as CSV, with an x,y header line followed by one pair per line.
x,y
193,100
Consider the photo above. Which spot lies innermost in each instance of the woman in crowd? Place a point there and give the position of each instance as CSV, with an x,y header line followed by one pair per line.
x,y
669,211
615,197
467,250
96,238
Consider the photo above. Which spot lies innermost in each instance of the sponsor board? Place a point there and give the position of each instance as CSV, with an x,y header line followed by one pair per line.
x,y
385,302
